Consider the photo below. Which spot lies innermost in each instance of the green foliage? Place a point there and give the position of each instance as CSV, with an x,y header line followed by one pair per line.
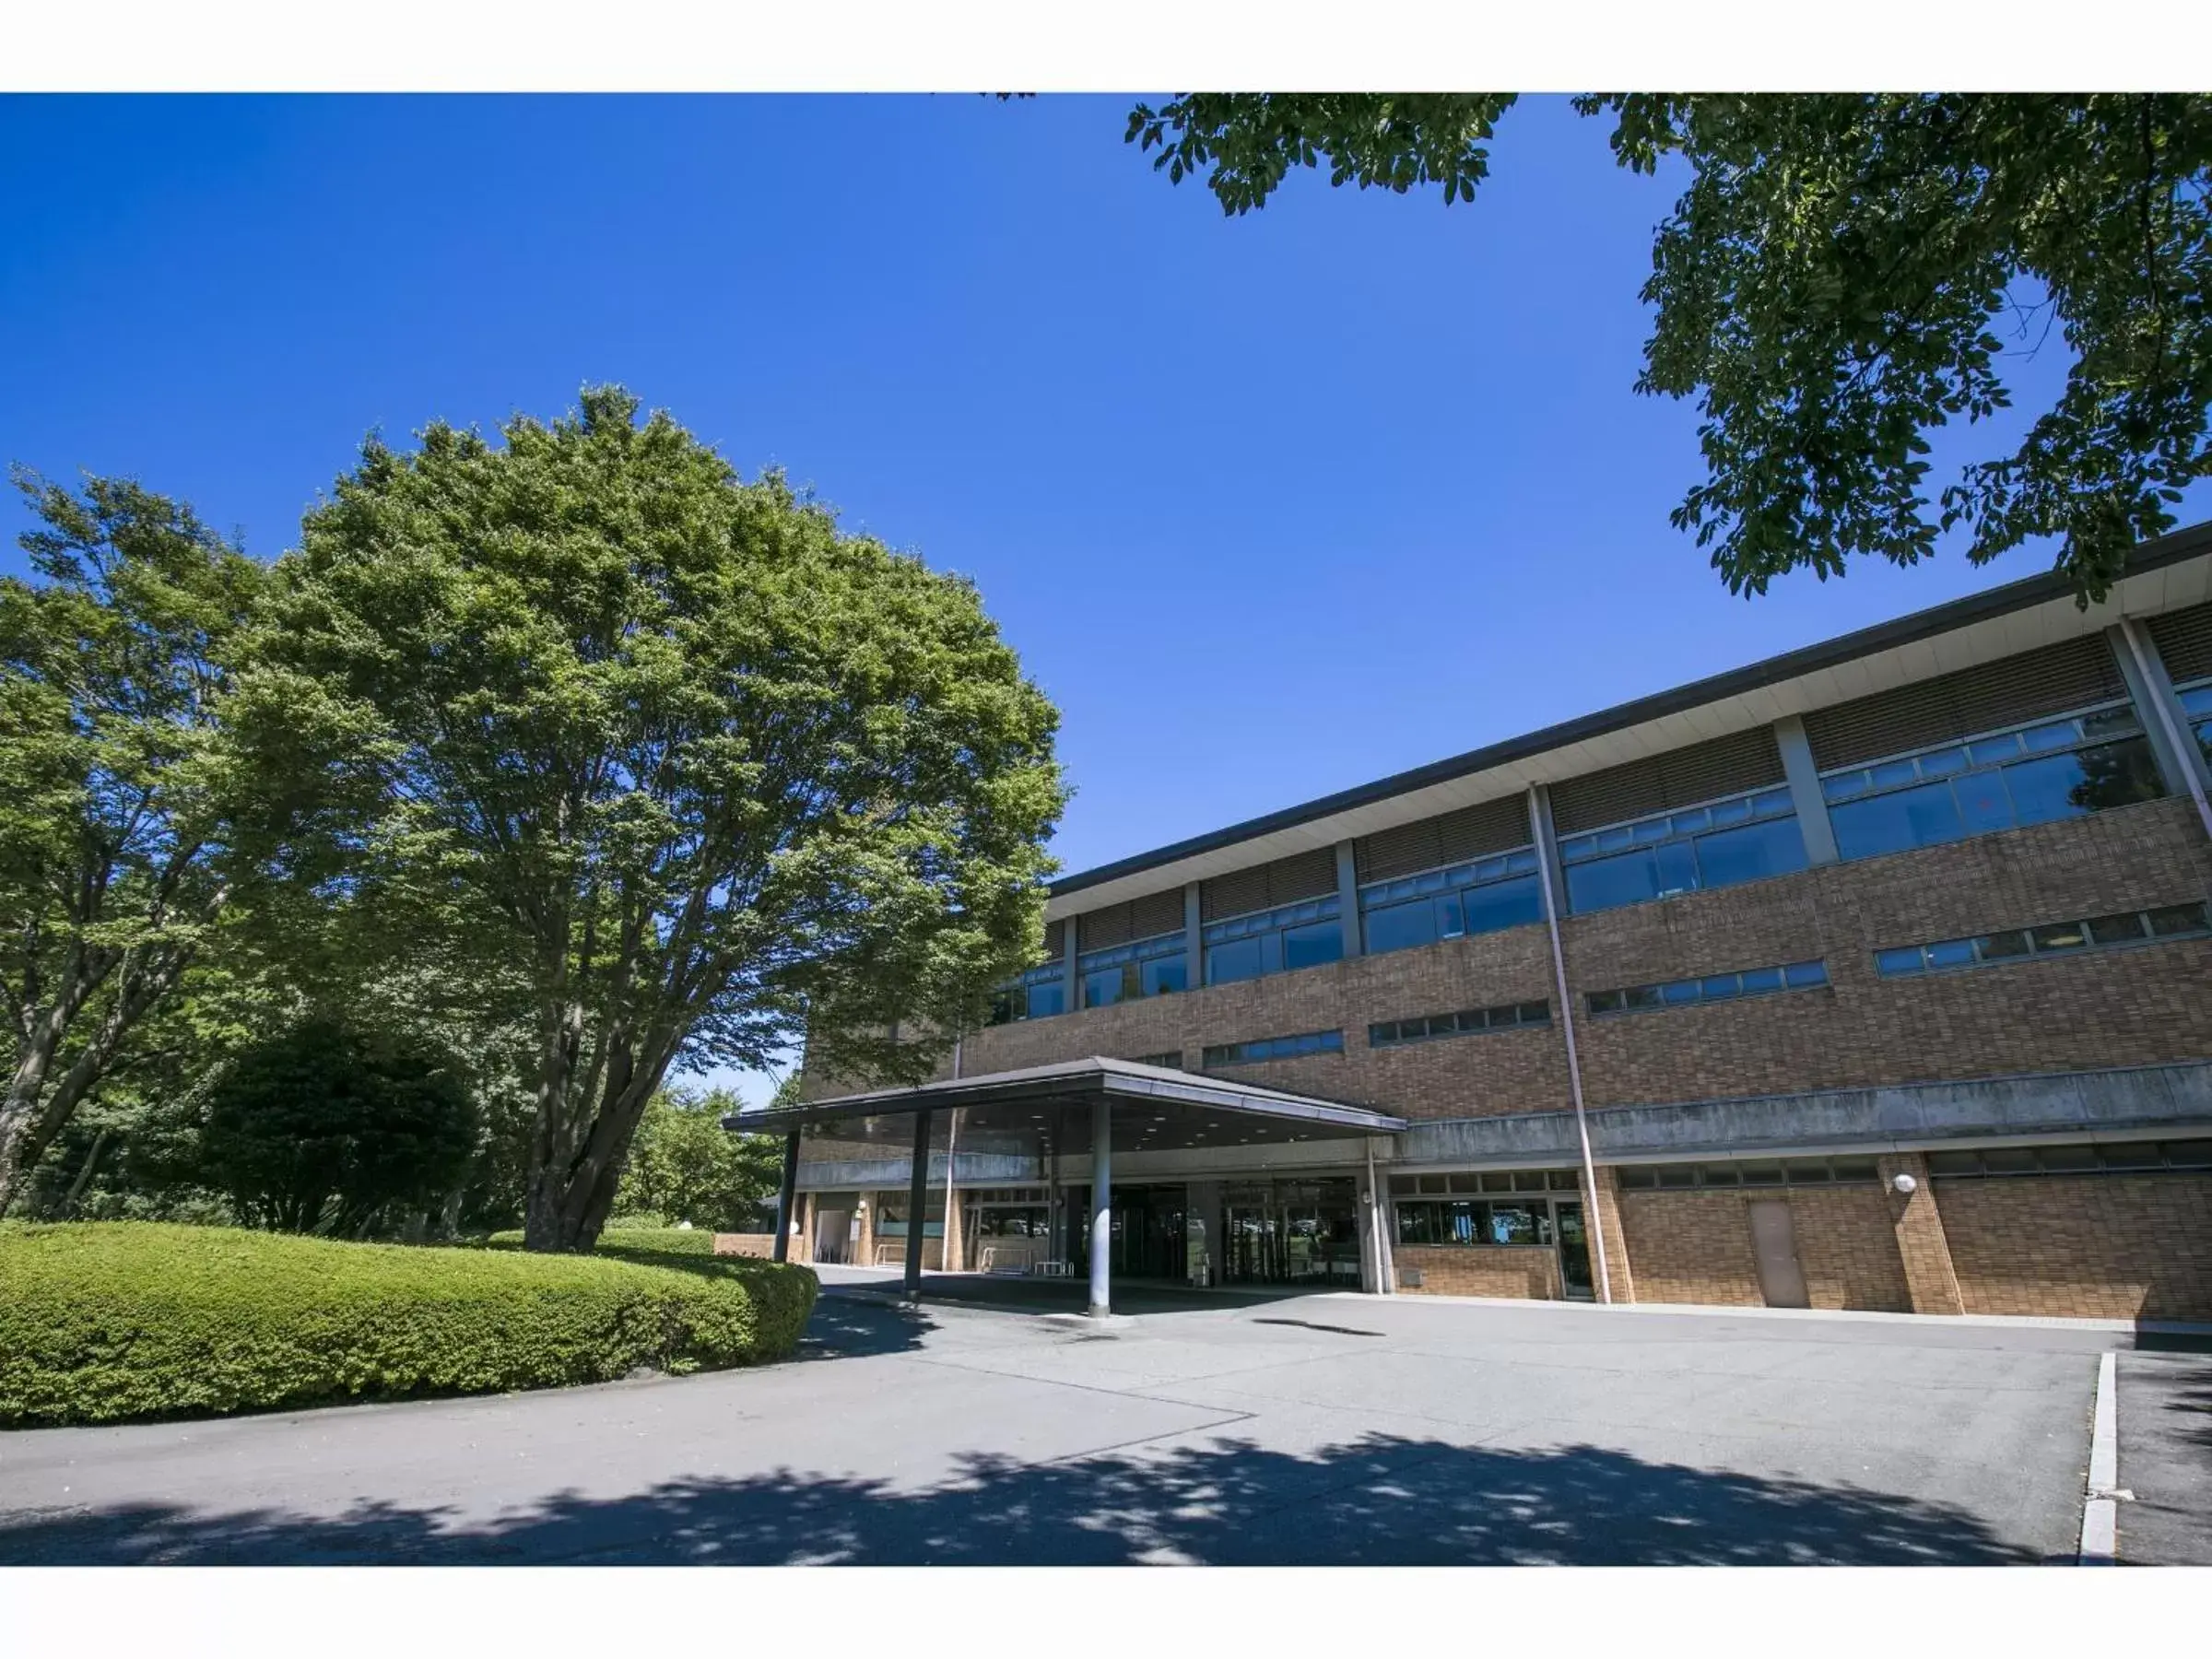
x,y
684,1165
118,795
1836,282
320,1127
705,770
106,1322
621,1238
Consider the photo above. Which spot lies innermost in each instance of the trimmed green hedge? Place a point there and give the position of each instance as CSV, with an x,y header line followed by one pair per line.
x,y
634,1240
106,1321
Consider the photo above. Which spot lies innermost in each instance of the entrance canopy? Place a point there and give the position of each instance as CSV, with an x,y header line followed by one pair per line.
x,y
1048,1107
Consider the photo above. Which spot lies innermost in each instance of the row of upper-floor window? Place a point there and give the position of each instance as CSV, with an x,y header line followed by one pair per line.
x,y
2033,774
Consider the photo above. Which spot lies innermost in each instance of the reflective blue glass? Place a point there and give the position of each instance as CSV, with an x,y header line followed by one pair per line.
x,y
1606,883
1770,848
1677,866
1401,927
1102,987
1163,974
1983,802
1311,945
1048,999
1951,953
1891,963
1503,904
2046,790
1806,973
1891,823
1233,959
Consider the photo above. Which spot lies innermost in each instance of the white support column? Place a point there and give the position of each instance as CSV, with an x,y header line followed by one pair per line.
x,y
1193,936
1805,791
2151,690
1347,898
1102,1207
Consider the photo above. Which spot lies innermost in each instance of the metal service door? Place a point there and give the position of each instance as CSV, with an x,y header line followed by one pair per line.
x,y
1775,1244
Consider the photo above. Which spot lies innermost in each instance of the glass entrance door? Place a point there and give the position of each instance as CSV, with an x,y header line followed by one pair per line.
x,y
1574,1252
1148,1232
1292,1232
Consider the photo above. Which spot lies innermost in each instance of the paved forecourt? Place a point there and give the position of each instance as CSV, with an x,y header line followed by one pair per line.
x,y
1317,1428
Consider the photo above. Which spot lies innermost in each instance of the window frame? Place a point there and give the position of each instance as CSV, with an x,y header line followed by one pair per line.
x,y
1681,830
1703,990
1950,766
1992,949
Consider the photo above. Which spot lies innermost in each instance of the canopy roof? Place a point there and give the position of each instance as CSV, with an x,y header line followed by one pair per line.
x,y
1156,1109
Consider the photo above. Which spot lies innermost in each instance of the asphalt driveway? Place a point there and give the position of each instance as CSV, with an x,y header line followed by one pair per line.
x,y
1327,1429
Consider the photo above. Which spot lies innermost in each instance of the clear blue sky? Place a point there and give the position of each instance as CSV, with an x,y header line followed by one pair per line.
x,y
1269,506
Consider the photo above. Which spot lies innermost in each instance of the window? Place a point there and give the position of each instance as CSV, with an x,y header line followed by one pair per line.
x,y
1505,1018
1711,988
1148,968
2053,938
1753,1173
2059,769
2119,1157
1745,838
1037,994
1473,1221
1275,1048
1171,1058
2196,706
1275,941
1482,896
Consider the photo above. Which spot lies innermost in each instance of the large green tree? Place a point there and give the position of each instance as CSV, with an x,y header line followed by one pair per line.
x,y
686,1167
115,785
709,771
1836,281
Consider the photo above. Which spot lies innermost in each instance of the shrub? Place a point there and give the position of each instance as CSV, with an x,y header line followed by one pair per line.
x,y
323,1125
621,1240
102,1321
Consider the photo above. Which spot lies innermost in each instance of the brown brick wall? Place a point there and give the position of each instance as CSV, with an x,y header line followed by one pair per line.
x,y
1690,1247
2112,1008
2127,1007
1924,1249
1695,1247
1525,1270
1512,1071
2086,1246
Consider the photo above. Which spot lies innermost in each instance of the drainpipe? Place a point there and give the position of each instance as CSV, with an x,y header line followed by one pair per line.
x,y
952,1213
1539,814
2156,693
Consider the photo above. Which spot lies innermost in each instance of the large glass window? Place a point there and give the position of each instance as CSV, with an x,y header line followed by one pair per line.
x,y
1037,994
1745,839
1296,935
1481,895
2056,769
2196,703
1148,968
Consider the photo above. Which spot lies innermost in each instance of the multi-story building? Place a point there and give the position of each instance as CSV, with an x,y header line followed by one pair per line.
x,y
1873,975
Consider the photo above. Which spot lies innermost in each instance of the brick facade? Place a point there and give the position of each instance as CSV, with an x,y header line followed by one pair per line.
x,y
2123,1246
1695,1247
2082,1247
1516,1270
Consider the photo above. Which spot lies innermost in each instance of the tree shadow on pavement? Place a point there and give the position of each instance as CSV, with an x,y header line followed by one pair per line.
x,y
1379,1500
846,1327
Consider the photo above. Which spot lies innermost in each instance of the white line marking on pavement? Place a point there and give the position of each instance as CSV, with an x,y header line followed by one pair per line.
x,y
2099,1511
